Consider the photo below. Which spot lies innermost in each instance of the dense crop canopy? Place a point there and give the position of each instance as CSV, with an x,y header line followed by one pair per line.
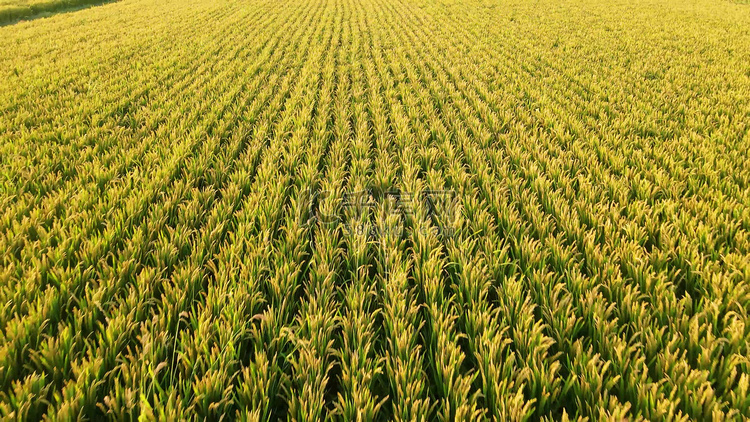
x,y
376,210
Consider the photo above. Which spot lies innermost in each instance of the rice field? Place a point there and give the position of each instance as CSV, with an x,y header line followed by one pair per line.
x,y
12,11
376,210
